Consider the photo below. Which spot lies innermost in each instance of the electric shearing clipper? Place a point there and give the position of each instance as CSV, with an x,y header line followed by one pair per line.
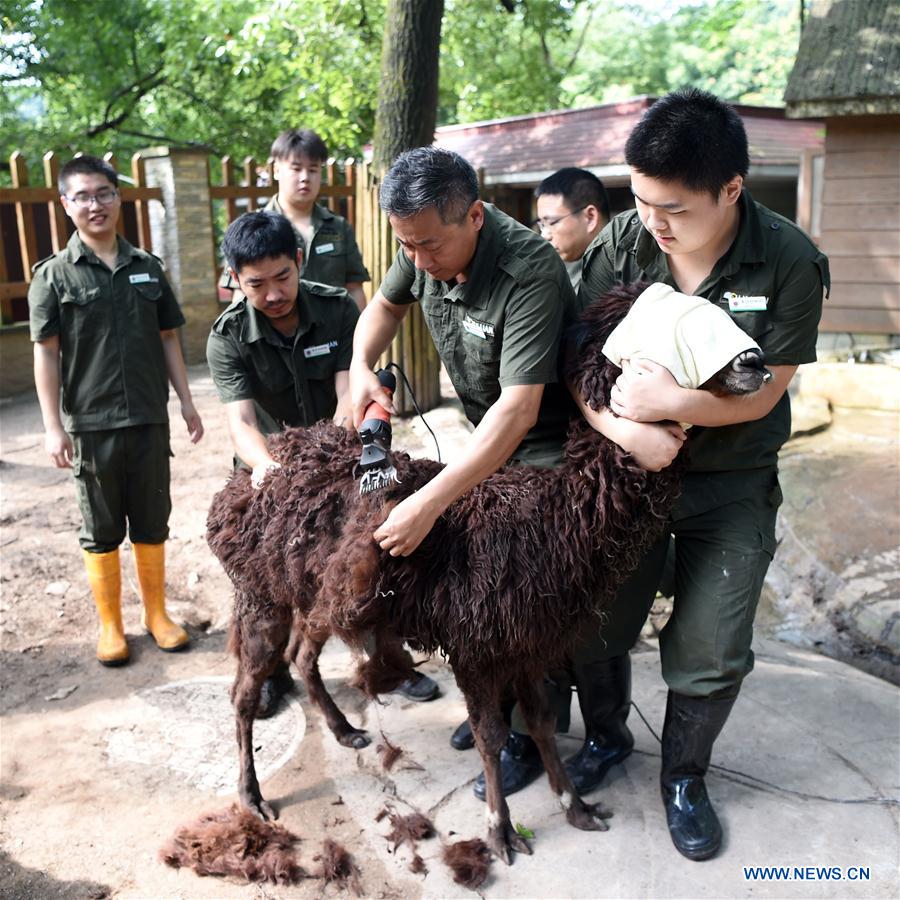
x,y
375,433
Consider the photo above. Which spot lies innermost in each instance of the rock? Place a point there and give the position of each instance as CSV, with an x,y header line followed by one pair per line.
x,y
57,588
879,623
62,693
193,579
859,385
809,414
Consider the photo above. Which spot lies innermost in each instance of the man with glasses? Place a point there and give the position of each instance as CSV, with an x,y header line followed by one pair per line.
x,y
496,300
103,321
572,209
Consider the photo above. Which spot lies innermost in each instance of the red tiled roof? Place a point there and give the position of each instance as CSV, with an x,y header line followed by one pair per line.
x,y
595,136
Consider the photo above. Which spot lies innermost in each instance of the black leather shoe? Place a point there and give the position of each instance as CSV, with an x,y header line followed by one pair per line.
x,y
462,738
520,764
418,687
693,824
273,689
589,766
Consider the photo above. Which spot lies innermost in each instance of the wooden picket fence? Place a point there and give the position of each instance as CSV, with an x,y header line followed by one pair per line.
x,y
337,185
348,189
412,348
33,225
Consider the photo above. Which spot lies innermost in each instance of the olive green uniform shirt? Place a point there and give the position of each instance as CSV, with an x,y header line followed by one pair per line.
x,y
501,327
290,380
771,282
333,256
113,369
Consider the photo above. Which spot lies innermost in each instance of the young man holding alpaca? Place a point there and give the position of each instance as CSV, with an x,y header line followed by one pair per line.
x,y
697,229
104,324
328,246
496,299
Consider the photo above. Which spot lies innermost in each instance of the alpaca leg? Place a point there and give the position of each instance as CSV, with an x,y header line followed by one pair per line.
x,y
490,730
541,724
259,643
307,661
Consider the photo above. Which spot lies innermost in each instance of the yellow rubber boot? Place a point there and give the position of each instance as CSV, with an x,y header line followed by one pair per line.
x,y
150,562
105,579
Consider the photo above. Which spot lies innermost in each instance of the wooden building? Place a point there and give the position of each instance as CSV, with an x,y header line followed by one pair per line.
x,y
515,154
848,73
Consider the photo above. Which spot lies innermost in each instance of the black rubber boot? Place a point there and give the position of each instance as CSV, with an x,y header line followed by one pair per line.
x,y
691,727
273,689
418,687
604,695
520,764
462,738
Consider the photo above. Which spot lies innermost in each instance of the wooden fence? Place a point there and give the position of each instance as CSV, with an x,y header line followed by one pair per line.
x,y
348,189
33,225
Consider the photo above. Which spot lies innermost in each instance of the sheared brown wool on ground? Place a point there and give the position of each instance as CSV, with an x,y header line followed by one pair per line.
x,y
501,584
409,829
234,842
336,866
469,861
389,752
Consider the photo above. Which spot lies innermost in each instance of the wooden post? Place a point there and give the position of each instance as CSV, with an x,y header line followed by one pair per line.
x,y
330,180
141,207
228,178
58,231
111,159
24,215
351,205
250,181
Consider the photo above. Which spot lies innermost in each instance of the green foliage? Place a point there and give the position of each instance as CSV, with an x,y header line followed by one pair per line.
x,y
124,74
524,832
742,50
500,63
227,75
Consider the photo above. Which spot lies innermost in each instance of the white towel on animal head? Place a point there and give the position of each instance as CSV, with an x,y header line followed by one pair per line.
x,y
690,336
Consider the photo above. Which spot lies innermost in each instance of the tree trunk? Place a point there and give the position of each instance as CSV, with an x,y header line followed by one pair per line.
x,y
408,94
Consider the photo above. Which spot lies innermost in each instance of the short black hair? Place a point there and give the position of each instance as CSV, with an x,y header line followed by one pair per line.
x,y
299,142
578,188
259,235
85,165
690,136
429,177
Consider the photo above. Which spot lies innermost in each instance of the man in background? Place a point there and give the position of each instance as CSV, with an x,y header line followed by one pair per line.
x,y
326,240
572,209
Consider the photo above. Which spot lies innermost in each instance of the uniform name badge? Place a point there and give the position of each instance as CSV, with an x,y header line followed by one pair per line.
x,y
482,330
745,303
319,350
142,278
324,248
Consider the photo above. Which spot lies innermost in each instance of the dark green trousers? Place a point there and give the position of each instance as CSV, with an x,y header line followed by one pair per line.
x,y
122,483
724,528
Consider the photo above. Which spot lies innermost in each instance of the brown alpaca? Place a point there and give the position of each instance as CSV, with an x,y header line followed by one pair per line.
x,y
499,585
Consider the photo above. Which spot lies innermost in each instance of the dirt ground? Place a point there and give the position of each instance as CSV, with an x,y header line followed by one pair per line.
x,y
61,798
88,793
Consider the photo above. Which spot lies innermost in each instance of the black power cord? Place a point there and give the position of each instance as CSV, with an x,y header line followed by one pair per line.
x,y
412,396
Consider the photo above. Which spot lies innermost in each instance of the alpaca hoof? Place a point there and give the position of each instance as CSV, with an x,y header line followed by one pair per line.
x,y
589,816
354,739
504,840
262,809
